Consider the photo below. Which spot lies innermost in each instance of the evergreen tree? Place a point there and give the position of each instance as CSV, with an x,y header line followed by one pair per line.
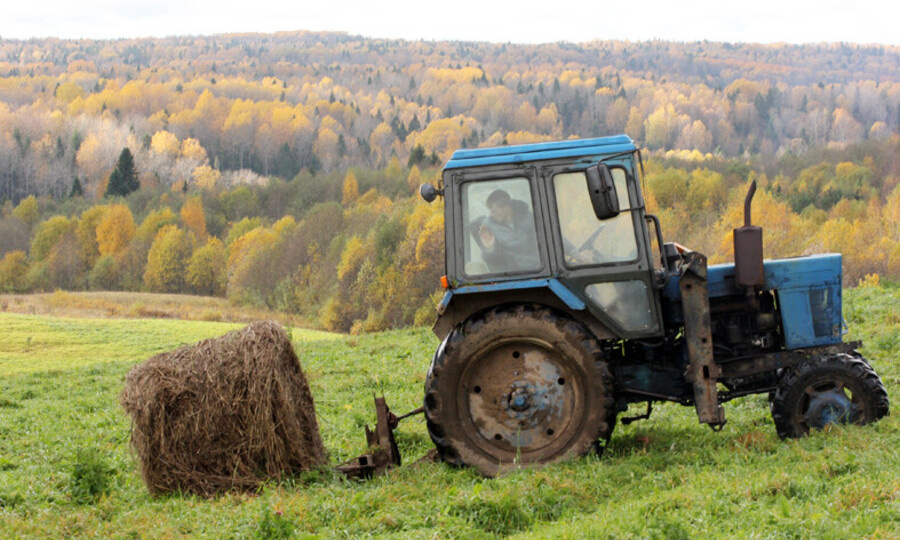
x,y
416,156
123,179
286,163
76,189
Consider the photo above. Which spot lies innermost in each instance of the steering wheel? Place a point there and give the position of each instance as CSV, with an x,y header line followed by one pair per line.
x,y
589,243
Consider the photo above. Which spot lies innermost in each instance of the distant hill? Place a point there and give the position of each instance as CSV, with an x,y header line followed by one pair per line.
x,y
277,104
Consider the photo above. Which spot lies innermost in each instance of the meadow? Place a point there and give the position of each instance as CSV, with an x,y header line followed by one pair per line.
x,y
66,470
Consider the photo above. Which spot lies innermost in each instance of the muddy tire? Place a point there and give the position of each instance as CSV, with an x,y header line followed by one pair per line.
x,y
515,386
835,389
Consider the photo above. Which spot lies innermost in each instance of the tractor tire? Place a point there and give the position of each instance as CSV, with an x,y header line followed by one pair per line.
x,y
521,385
836,389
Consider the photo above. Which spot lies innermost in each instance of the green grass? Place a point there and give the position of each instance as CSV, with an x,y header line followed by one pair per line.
x,y
38,343
66,470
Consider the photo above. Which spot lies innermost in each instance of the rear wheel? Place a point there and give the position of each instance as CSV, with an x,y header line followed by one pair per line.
x,y
521,385
836,389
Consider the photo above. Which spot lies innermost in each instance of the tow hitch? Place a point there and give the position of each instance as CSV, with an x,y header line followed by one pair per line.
x,y
383,454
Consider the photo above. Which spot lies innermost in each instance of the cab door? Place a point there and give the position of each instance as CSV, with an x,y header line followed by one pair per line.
x,y
604,262
484,247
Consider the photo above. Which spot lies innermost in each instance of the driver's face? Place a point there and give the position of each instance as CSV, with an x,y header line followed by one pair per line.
x,y
501,213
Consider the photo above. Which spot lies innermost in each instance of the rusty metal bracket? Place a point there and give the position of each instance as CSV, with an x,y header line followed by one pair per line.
x,y
703,373
383,453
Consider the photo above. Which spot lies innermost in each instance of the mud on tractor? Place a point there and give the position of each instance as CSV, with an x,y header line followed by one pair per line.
x,y
564,305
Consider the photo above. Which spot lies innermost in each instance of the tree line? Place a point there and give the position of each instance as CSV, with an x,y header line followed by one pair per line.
x,y
281,169
237,109
359,251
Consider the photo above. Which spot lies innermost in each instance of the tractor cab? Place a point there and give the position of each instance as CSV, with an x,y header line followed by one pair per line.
x,y
567,217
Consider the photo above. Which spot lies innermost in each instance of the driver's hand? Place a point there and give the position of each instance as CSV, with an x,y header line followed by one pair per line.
x,y
487,237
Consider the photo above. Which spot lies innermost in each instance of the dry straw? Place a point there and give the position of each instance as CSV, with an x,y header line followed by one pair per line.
x,y
226,413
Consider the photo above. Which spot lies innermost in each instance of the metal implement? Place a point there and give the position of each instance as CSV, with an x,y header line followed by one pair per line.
x,y
383,453
702,372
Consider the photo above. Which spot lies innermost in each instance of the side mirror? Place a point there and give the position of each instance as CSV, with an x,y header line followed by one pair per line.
x,y
429,192
602,189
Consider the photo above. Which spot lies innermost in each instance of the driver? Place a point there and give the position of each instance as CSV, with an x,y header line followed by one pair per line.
x,y
507,235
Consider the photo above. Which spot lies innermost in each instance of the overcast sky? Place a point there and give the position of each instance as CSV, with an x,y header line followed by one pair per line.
x,y
751,21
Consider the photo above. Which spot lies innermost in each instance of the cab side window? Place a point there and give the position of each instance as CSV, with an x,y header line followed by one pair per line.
x,y
499,229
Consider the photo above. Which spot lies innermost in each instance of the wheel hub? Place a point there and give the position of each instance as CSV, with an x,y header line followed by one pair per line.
x,y
830,406
519,400
521,397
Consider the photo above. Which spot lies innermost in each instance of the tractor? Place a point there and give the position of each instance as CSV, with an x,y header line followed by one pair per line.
x,y
564,305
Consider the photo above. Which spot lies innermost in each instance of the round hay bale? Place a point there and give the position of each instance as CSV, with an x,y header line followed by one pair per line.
x,y
226,413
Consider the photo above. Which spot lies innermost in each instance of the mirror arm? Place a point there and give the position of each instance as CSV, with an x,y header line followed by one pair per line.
x,y
663,258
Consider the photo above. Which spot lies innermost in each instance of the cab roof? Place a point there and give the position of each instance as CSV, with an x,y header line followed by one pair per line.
x,y
571,148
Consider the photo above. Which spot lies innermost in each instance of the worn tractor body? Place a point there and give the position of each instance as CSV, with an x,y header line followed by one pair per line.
x,y
564,305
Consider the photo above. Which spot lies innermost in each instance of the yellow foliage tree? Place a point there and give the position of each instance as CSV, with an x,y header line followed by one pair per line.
x,y
96,161
205,176
86,232
414,180
155,221
194,218
27,210
68,91
706,190
48,235
381,140
206,272
351,259
845,128
115,230
191,149
13,269
350,191
284,225
241,248
165,143
167,260
441,136
634,126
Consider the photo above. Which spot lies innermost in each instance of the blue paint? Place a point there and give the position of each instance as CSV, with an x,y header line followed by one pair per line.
x,y
808,291
560,290
566,295
575,148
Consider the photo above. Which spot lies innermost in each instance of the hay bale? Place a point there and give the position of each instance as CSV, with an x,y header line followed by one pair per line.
x,y
226,413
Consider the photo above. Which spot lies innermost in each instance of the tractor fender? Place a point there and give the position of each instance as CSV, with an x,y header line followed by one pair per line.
x,y
461,303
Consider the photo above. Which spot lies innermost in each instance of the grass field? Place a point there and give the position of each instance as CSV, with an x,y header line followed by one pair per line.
x,y
667,477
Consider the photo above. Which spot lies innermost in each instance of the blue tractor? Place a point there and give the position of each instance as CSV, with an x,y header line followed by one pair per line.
x,y
564,305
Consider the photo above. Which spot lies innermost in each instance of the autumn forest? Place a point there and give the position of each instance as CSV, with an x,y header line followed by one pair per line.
x,y
280,170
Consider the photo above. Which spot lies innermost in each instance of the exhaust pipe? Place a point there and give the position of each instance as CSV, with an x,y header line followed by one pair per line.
x,y
748,249
747,201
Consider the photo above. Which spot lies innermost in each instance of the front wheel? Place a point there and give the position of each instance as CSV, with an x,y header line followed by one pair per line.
x,y
519,385
835,389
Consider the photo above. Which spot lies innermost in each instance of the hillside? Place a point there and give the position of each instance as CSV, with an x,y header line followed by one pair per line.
x,y
666,477
278,104
279,170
